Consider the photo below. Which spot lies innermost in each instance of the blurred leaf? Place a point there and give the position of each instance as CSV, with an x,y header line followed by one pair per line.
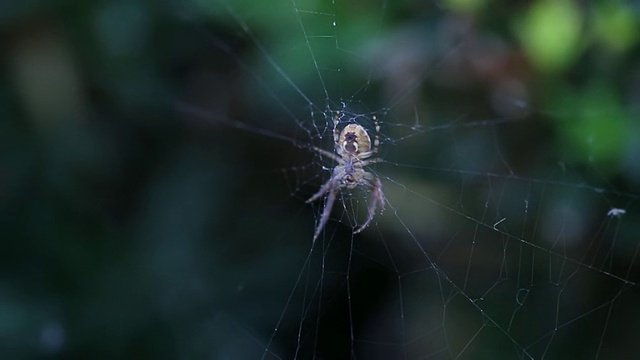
x,y
550,34
597,127
615,25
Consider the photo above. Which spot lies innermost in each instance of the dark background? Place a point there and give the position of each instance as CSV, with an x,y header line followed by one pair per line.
x,y
154,176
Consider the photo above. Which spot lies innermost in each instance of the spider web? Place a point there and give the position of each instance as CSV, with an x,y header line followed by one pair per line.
x,y
495,242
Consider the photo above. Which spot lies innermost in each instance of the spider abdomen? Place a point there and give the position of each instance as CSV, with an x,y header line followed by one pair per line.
x,y
354,139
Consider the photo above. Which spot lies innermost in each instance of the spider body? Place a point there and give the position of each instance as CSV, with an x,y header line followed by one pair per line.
x,y
353,149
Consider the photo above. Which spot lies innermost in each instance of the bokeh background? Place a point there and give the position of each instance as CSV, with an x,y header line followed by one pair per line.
x,y
152,190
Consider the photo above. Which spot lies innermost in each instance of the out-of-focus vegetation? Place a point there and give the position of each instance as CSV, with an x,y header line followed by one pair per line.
x,y
133,228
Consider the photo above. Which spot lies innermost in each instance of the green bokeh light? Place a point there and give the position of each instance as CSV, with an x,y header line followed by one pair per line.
x,y
550,34
615,25
597,129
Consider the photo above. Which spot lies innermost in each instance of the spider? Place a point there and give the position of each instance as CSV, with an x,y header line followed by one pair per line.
x,y
352,146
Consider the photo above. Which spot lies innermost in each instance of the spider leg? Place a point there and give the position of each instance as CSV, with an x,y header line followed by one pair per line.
x,y
336,133
376,202
323,190
328,154
371,161
376,139
328,205
337,156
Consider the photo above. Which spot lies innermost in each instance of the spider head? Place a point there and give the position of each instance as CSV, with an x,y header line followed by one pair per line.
x,y
354,140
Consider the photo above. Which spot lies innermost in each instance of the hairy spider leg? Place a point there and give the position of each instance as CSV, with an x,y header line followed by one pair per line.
x,y
328,154
326,212
323,190
376,201
376,138
336,134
